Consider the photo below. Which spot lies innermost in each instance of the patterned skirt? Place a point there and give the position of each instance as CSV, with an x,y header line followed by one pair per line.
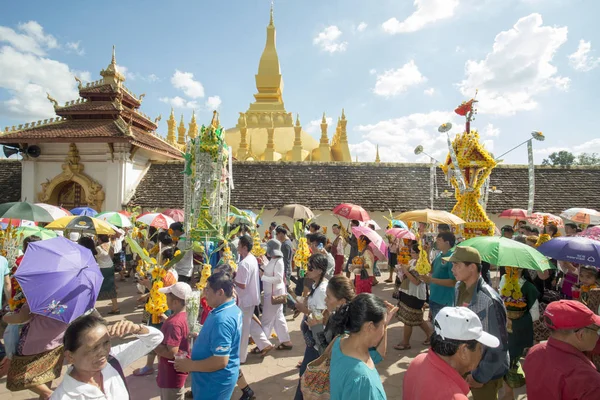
x,y
28,371
409,312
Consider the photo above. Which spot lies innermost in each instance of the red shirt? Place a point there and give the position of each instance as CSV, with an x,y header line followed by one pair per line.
x,y
557,370
175,330
429,377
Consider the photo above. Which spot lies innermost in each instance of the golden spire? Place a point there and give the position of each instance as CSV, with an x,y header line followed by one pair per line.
x,y
193,129
181,132
297,148
243,147
269,81
324,149
171,123
111,74
377,159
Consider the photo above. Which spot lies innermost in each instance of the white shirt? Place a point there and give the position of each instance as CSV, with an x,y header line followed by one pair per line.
x,y
247,274
273,278
185,266
114,387
103,258
317,300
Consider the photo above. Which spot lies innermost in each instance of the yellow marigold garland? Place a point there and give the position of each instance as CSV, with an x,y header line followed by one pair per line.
x,y
257,249
302,254
204,275
511,290
157,305
423,266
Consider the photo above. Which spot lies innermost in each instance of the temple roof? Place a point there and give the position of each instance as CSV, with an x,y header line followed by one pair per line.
x,y
106,112
98,130
375,186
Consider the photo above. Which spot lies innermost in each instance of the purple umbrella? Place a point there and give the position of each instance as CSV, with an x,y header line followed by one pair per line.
x,y
578,250
60,279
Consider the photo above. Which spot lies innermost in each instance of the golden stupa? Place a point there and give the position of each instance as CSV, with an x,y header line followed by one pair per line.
x,y
267,132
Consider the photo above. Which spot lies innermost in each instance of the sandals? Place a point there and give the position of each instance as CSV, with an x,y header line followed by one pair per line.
x,y
114,312
299,365
388,280
255,350
284,347
266,351
145,370
426,343
402,347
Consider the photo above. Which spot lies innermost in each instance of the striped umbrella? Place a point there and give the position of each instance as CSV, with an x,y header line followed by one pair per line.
x,y
56,212
174,213
115,218
537,219
156,220
582,215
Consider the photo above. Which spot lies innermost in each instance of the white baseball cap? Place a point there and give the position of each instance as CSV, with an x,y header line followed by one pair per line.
x,y
460,323
180,290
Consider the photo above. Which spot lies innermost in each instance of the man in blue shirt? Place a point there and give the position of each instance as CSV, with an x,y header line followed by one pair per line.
x,y
441,281
215,362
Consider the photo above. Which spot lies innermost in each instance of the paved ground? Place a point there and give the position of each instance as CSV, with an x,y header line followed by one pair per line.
x,y
276,376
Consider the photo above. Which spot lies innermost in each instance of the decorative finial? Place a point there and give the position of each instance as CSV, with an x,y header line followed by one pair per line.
x,y
215,119
52,100
324,120
157,119
114,57
298,120
79,83
343,115
142,97
271,20
377,159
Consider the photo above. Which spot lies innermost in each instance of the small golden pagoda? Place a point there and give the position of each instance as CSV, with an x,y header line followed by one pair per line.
x,y
267,132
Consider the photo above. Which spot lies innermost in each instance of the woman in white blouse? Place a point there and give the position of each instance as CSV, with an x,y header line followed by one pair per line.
x,y
274,285
97,368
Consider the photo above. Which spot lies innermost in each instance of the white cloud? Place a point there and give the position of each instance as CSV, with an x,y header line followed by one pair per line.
x,y
490,131
372,71
27,76
132,76
427,11
75,47
153,78
517,69
581,60
361,27
329,40
314,127
213,102
395,81
398,137
429,92
30,38
185,81
179,102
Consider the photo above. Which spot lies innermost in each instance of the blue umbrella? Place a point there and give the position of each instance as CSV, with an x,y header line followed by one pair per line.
x,y
59,278
84,211
397,222
579,250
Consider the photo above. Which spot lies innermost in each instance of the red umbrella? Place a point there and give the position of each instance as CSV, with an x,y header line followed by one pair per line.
x,y
351,211
175,213
17,222
156,220
514,213
125,213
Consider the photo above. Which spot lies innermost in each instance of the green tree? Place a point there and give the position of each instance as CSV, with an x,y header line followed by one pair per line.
x,y
588,159
563,159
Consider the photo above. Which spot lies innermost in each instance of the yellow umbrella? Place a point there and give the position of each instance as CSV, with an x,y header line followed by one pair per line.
x,y
431,217
82,223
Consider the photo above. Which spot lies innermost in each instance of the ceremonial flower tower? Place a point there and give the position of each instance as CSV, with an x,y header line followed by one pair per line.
x,y
468,167
207,183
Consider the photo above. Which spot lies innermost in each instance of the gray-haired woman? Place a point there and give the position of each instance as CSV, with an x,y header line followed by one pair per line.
x,y
273,278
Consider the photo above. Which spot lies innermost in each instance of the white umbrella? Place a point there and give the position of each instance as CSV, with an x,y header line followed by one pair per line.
x,y
582,215
54,211
156,220
370,222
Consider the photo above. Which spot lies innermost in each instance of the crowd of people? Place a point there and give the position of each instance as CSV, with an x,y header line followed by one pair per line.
x,y
480,321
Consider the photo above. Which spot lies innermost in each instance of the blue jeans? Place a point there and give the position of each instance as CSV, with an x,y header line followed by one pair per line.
x,y
434,309
310,354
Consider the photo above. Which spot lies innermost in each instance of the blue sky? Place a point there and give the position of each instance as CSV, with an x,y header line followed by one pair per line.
x,y
398,67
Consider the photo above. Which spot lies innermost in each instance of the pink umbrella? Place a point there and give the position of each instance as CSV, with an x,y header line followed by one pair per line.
x,y
377,243
514,213
156,220
401,233
371,222
351,211
174,213
537,219
591,233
